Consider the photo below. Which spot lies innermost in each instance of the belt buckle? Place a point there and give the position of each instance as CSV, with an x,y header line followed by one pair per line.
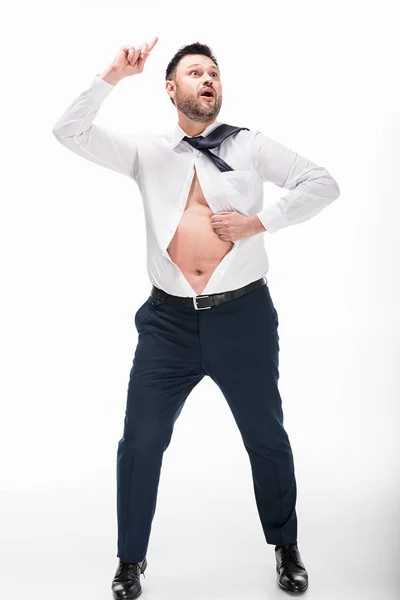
x,y
200,307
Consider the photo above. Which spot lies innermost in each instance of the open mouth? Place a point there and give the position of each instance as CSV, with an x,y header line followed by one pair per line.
x,y
208,95
209,98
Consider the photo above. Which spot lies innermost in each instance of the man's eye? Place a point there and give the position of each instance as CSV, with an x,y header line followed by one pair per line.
x,y
197,72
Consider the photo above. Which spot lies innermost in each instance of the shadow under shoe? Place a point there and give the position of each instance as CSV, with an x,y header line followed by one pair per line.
x,y
126,582
293,576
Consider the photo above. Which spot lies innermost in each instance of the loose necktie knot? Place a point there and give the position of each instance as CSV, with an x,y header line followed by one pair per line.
x,y
194,141
214,140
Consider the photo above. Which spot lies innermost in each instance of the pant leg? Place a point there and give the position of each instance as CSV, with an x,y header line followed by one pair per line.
x,y
166,367
240,345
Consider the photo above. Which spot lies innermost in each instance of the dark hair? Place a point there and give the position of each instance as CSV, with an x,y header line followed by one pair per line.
x,y
195,48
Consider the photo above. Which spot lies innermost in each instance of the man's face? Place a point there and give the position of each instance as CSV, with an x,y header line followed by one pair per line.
x,y
194,73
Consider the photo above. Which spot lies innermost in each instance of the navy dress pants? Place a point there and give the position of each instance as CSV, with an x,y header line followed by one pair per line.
x,y
237,345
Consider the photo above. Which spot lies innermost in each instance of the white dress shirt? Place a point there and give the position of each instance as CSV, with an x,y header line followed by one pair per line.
x,y
162,165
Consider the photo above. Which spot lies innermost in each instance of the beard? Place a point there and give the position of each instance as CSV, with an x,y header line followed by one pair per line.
x,y
196,109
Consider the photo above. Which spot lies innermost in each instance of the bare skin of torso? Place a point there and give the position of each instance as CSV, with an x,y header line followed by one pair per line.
x,y
195,248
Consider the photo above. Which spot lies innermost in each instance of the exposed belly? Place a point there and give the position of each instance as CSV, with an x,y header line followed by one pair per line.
x,y
195,248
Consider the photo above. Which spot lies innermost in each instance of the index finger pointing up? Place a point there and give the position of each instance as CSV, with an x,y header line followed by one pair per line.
x,y
152,44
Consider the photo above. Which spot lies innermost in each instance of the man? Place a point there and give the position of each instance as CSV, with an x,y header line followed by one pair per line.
x,y
210,311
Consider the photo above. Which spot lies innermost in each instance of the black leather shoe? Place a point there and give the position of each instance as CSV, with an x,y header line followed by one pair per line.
x,y
293,576
126,582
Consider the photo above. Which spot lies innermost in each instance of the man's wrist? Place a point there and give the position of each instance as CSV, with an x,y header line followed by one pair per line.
x,y
257,224
110,76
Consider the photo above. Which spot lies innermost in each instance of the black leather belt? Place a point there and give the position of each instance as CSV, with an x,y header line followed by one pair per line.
x,y
206,301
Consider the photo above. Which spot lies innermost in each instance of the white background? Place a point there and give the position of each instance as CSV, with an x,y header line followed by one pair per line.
x,y
320,77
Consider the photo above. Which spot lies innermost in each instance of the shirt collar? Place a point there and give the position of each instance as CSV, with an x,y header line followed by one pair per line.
x,y
178,134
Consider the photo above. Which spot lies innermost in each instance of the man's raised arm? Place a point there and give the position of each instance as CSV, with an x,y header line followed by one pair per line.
x,y
75,128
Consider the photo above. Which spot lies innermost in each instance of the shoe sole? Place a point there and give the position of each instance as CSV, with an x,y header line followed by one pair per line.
x,y
283,587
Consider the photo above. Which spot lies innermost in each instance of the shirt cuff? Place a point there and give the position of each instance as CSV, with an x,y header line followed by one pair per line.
x,y
272,219
100,89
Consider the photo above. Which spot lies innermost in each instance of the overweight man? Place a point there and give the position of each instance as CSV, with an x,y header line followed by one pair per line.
x,y
210,310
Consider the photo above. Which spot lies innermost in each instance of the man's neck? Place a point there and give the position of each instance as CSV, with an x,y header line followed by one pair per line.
x,y
192,128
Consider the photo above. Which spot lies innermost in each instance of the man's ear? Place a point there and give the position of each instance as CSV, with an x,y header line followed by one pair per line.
x,y
169,87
